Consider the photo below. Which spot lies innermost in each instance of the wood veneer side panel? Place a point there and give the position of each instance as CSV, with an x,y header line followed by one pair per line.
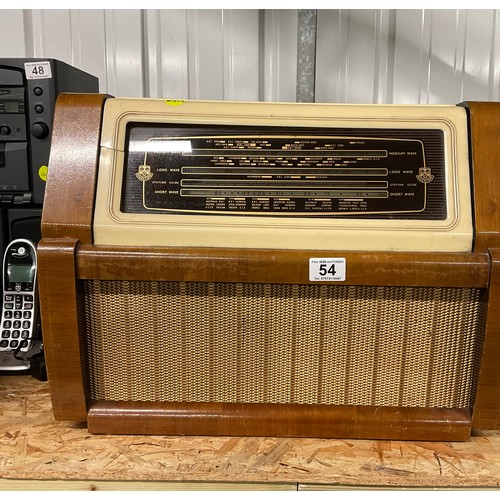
x,y
280,266
60,327
287,420
487,405
485,145
71,181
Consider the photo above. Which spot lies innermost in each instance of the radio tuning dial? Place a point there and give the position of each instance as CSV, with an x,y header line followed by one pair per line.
x,y
4,130
39,130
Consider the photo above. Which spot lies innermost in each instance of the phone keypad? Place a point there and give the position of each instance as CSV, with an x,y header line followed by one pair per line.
x,y
17,322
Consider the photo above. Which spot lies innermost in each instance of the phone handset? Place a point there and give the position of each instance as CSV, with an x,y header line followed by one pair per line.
x,y
19,311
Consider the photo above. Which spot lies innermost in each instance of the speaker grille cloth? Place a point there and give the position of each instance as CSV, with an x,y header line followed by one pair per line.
x,y
279,343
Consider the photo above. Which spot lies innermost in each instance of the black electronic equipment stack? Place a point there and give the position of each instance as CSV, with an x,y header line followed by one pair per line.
x,y
29,88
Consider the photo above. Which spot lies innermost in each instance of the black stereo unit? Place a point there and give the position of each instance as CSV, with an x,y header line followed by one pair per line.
x,y
28,91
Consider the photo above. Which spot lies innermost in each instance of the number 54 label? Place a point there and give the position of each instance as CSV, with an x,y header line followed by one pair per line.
x,y
326,269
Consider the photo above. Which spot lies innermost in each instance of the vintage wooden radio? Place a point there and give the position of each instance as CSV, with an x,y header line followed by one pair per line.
x,y
221,268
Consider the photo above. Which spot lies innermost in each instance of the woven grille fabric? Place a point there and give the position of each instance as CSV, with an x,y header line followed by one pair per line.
x,y
280,343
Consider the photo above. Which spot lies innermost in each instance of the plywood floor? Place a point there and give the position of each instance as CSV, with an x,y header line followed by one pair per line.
x,y
36,448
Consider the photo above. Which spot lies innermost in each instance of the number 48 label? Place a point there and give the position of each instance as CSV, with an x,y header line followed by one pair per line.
x,y
38,70
326,269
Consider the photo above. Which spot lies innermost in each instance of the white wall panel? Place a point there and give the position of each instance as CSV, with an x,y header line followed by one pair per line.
x,y
353,56
429,56
280,55
123,49
202,54
360,60
241,54
205,62
362,56
12,41
89,42
331,56
411,65
52,34
383,62
480,58
166,50
446,56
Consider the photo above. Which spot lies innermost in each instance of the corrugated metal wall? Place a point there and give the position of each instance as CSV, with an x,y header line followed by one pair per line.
x,y
361,56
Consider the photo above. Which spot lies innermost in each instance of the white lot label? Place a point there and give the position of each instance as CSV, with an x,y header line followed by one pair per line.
x,y
326,269
38,70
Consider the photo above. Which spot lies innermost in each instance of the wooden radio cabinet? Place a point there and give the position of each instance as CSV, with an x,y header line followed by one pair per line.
x,y
271,269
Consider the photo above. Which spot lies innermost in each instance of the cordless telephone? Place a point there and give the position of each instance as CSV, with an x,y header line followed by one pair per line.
x,y
19,307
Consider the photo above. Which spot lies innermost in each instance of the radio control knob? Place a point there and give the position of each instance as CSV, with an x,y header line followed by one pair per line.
x,y
4,130
39,130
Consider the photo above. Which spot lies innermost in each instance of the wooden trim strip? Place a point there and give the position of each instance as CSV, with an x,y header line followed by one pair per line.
x,y
487,407
285,420
280,266
71,182
59,313
485,144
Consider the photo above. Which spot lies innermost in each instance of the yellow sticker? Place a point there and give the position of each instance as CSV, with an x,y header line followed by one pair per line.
x,y
42,172
174,102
